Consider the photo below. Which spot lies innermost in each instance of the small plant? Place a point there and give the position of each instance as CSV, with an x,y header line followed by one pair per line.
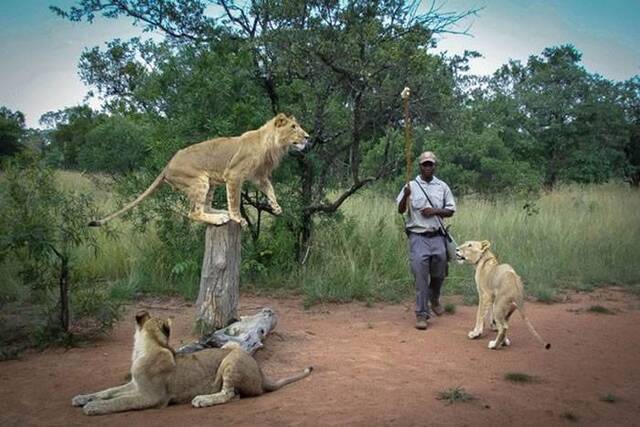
x,y
546,296
570,416
11,353
610,398
449,308
599,309
453,395
519,377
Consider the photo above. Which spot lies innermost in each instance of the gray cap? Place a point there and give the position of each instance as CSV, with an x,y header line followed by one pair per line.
x,y
427,156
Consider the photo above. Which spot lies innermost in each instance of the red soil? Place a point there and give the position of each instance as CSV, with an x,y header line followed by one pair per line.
x,y
371,368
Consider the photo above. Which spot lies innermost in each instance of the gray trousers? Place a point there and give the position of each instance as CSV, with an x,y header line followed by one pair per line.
x,y
428,259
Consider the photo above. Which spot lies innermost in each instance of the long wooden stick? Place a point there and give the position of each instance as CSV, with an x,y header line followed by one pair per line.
x,y
407,132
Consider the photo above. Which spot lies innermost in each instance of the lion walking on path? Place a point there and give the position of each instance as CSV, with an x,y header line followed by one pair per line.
x,y
197,169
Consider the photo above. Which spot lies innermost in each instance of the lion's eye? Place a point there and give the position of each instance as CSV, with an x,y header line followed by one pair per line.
x,y
469,244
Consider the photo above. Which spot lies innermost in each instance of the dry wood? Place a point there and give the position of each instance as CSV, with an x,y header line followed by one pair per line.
x,y
247,333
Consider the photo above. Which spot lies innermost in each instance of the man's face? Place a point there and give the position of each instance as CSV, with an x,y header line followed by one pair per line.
x,y
426,169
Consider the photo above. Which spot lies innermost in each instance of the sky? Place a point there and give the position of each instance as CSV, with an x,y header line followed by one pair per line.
x,y
39,52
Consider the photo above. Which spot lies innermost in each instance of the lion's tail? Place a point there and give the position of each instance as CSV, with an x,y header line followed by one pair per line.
x,y
154,185
271,385
530,326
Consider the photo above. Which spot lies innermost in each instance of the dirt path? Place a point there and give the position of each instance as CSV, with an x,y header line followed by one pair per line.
x,y
372,368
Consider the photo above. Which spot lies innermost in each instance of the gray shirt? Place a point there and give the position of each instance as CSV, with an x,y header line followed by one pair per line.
x,y
440,195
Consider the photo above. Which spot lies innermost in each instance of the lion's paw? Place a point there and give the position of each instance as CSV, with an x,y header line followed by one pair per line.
x,y
492,344
506,342
474,334
200,402
80,400
243,222
277,210
221,219
93,408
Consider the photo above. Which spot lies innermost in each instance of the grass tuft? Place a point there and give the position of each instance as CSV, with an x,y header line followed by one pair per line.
x,y
450,308
453,395
600,310
570,416
610,398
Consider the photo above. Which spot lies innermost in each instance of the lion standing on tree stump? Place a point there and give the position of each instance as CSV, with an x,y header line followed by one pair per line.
x,y
197,169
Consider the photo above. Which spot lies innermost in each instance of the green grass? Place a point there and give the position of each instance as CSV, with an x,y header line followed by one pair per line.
x,y
519,377
455,395
581,237
450,308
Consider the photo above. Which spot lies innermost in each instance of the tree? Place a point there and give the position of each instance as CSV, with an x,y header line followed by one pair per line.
x,y
630,101
555,115
116,145
340,66
41,225
11,131
70,128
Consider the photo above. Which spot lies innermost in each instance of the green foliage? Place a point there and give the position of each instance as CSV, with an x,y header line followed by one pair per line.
x,y
116,145
450,308
11,131
40,228
569,124
68,134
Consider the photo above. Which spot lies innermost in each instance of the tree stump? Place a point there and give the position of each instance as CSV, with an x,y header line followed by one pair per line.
x,y
217,302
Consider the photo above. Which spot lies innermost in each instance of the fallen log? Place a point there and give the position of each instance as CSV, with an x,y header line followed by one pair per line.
x,y
247,333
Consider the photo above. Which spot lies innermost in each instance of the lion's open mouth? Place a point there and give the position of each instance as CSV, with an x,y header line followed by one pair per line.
x,y
302,145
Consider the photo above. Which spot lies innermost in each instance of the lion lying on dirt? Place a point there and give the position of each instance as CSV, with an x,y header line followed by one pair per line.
x,y
498,285
160,377
197,169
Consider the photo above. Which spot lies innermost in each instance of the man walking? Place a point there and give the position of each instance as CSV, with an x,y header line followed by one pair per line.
x,y
428,200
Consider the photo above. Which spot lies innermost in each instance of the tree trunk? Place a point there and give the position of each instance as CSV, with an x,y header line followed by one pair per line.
x,y
219,281
64,294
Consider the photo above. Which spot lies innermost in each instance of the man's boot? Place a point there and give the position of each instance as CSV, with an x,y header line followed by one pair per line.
x,y
421,322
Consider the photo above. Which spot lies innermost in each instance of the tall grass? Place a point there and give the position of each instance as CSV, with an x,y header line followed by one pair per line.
x,y
575,237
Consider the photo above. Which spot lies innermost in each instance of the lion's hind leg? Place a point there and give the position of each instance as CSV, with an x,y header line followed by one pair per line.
x,y
223,396
200,194
503,309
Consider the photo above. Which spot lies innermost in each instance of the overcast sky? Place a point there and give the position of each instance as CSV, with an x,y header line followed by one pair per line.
x,y
39,52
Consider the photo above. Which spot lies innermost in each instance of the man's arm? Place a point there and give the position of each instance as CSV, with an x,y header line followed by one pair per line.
x,y
402,206
445,213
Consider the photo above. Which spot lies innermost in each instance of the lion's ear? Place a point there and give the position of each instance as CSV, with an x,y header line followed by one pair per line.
x,y
281,120
485,245
142,317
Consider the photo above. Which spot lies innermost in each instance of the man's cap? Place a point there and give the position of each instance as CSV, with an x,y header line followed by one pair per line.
x,y
427,156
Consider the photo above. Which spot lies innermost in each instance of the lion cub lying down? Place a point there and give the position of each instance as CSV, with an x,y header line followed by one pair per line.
x,y
160,377
498,284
